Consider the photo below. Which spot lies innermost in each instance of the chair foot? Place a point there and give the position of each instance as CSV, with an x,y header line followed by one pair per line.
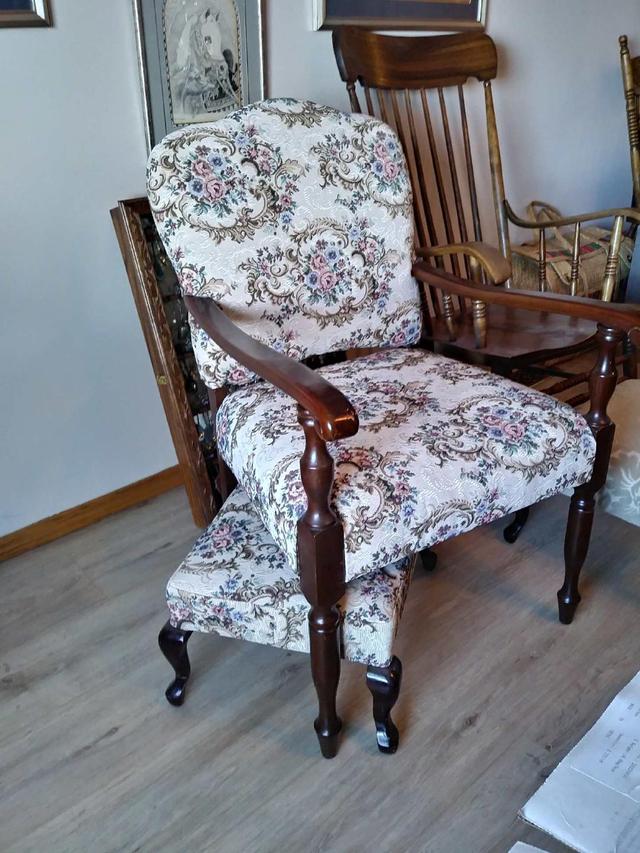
x,y
429,559
173,645
384,684
567,606
328,740
324,623
513,530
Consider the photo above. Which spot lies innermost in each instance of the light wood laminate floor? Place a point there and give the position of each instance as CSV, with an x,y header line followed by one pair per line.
x,y
495,692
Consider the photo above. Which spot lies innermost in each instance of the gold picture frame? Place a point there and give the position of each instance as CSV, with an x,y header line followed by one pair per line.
x,y
400,14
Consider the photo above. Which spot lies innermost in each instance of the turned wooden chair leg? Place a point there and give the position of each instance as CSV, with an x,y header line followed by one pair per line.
x,y
513,530
576,545
384,684
173,645
325,669
429,559
630,364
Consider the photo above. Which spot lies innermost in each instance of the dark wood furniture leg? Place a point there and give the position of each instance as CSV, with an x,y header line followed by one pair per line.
x,y
173,645
576,545
630,364
429,559
321,567
602,383
513,530
384,684
325,669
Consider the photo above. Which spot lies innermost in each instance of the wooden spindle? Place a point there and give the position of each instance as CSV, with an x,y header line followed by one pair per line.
x,y
613,260
353,97
423,203
453,171
448,227
449,315
497,180
471,180
575,260
396,112
368,101
479,309
633,119
384,115
542,260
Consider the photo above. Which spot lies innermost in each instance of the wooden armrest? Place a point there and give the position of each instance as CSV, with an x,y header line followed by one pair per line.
x,y
625,212
613,314
334,415
492,261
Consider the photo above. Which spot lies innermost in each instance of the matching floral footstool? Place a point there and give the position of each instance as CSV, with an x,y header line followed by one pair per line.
x,y
236,582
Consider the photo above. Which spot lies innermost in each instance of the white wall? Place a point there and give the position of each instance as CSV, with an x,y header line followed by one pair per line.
x,y
558,95
80,414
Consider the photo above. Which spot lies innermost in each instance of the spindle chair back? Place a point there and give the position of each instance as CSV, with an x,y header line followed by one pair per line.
x,y
631,81
421,86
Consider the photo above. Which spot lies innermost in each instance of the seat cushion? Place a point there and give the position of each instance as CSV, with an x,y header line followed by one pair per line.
x,y
442,448
621,493
236,582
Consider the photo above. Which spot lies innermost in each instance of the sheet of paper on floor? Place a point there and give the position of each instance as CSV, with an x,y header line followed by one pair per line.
x,y
521,847
591,801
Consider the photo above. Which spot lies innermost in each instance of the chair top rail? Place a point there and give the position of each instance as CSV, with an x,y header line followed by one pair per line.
x,y
396,62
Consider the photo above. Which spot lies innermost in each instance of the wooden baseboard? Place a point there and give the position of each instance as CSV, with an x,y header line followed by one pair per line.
x,y
88,513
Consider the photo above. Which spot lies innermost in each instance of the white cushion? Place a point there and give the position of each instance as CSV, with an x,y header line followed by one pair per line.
x,y
443,447
236,582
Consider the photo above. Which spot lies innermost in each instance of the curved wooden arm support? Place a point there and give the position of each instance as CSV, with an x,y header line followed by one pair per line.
x,y
333,414
624,317
626,212
324,414
491,260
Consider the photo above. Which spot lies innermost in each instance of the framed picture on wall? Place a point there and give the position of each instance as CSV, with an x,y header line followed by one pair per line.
x,y
400,14
199,60
25,13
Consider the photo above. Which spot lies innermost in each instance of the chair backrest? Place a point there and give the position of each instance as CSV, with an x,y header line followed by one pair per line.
x,y
405,81
297,220
631,83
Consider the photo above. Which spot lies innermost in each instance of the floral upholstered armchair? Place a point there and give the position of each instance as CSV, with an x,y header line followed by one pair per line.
x,y
290,227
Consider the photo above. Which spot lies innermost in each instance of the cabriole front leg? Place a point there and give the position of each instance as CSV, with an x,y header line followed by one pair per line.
x,y
515,528
384,684
173,645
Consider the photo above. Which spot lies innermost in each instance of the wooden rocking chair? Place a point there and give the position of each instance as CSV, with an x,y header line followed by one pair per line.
x,y
417,85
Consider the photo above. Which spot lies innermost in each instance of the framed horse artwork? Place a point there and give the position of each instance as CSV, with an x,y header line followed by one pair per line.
x,y
199,60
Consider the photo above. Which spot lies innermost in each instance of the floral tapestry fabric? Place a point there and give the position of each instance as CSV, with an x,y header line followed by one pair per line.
x,y
237,583
296,219
620,495
443,447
